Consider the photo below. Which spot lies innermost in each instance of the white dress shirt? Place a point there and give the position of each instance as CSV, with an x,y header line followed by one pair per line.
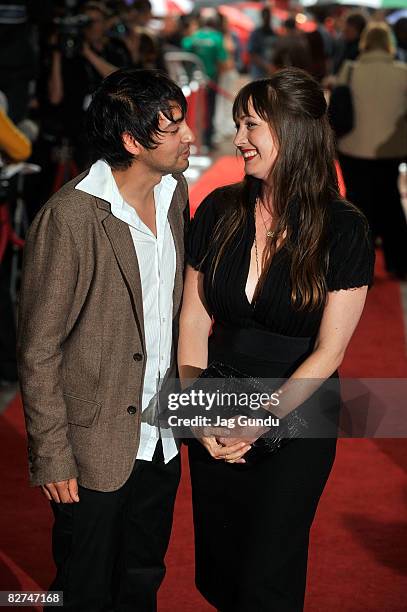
x,y
157,262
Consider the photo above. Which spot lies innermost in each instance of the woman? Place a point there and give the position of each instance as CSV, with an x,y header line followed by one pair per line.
x,y
282,264
372,152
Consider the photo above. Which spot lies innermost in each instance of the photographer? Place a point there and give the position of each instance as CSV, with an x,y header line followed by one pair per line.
x,y
77,67
18,52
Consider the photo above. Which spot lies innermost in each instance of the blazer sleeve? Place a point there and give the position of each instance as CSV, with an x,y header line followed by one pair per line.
x,y
49,277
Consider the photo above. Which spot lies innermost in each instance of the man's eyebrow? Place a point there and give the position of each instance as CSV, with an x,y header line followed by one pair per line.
x,y
173,122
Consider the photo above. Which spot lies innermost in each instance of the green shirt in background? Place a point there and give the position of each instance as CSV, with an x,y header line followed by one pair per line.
x,y
207,44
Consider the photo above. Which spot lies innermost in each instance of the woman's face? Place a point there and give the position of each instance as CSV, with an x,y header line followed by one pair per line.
x,y
256,143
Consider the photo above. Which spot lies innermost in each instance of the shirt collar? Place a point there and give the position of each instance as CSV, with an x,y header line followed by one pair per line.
x,y
375,55
100,183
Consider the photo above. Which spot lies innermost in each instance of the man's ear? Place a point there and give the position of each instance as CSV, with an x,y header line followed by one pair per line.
x,y
131,144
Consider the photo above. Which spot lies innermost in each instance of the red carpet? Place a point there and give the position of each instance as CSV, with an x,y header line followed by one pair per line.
x,y
358,559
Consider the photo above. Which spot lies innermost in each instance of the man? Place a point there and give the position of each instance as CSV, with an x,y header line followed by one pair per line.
x,y
143,45
348,45
261,46
98,320
18,54
207,43
291,49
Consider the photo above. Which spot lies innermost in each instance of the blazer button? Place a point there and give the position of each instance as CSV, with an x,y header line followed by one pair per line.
x,y
137,356
132,410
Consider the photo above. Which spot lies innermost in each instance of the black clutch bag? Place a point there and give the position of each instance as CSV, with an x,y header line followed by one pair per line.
x,y
232,383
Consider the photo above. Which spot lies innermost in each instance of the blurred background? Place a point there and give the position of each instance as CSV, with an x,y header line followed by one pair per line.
x,y
53,54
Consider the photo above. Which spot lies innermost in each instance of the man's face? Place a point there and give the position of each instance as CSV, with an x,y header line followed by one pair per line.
x,y
95,31
173,150
144,17
350,33
266,18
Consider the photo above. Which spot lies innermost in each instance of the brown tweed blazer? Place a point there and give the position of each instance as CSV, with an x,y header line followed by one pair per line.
x,y
81,345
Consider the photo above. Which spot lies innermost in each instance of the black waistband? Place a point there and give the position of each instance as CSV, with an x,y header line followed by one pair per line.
x,y
261,344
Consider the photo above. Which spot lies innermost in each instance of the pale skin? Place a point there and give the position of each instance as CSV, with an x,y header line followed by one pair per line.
x,y
136,185
340,317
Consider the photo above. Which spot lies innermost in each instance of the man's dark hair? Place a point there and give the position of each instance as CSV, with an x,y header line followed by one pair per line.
x,y
357,21
142,6
96,6
129,101
290,24
266,13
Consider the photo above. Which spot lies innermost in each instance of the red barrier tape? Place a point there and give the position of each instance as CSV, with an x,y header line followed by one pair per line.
x,y
219,90
7,234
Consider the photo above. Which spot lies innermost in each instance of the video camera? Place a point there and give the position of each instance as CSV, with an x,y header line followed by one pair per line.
x,y
70,28
70,34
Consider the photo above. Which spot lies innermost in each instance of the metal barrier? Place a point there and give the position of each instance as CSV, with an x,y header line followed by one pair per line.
x,y
187,70
12,226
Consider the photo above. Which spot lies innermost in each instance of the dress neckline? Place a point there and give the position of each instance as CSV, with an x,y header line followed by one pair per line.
x,y
250,239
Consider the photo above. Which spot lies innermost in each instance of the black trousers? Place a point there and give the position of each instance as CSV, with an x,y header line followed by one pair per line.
x,y
109,547
371,184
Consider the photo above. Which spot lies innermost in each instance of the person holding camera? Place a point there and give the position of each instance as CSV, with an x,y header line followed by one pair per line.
x,y
74,76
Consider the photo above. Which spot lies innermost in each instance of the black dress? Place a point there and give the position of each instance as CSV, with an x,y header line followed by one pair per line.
x,y
252,524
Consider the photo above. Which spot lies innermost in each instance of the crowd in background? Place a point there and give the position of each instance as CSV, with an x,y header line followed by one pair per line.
x,y
54,54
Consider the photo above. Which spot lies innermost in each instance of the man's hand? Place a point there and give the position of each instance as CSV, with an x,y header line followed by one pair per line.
x,y
65,491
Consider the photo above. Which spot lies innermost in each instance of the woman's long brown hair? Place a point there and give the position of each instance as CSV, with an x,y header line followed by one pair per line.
x,y
303,181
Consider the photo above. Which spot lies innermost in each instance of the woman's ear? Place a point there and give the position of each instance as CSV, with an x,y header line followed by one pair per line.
x,y
131,144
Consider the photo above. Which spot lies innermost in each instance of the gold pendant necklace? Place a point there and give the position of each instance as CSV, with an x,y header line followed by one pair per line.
x,y
269,233
257,255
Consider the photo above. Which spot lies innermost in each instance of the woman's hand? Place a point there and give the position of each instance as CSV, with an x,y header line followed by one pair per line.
x,y
232,453
244,434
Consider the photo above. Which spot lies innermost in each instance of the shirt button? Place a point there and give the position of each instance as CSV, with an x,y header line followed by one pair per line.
x,y
137,356
132,410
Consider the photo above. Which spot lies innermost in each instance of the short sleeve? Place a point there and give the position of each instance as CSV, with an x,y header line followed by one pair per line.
x,y
200,231
351,255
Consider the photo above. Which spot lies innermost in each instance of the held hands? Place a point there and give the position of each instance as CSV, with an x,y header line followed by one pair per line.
x,y
221,445
210,438
65,491
231,453
243,435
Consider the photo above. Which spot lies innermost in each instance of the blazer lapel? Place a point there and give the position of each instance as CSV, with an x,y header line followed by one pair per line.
x,y
123,248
